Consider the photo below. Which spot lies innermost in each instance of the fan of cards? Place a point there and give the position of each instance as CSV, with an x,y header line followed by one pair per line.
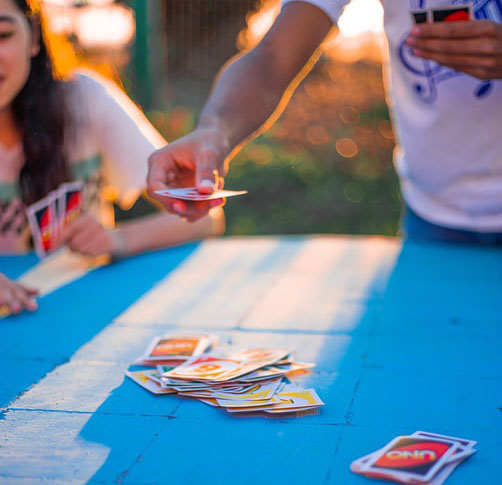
x,y
250,380
449,13
191,193
421,458
49,216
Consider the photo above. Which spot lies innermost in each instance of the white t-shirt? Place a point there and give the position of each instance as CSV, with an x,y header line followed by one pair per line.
x,y
448,125
108,148
108,125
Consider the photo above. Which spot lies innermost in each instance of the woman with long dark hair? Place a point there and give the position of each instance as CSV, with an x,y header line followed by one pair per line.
x,y
86,129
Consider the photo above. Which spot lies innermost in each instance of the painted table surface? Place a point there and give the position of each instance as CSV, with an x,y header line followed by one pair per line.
x,y
405,336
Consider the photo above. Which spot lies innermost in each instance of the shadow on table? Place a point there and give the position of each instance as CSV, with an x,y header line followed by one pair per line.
x,y
34,344
375,387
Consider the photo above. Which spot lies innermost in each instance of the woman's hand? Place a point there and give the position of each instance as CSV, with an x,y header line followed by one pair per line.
x,y
87,236
13,237
16,297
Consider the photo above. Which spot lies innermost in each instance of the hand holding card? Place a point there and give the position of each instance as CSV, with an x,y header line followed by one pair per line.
x,y
15,297
49,216
192,194
196,160
469,46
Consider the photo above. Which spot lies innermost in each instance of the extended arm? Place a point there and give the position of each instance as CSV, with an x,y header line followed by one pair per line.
x,y
248,95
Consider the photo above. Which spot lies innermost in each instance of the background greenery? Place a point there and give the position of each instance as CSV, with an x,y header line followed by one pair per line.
x,y
324,167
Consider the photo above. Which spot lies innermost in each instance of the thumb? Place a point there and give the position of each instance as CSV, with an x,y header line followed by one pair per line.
x,y
206,174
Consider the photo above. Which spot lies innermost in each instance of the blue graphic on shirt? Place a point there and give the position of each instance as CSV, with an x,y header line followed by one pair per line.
x,y
430,73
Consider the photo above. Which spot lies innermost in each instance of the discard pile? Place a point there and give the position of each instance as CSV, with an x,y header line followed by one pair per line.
x,y
421,458
249,380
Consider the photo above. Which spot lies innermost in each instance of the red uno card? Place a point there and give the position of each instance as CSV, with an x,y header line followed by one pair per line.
x,y
451,13
410,459
42,219
174,347
70,202
204,367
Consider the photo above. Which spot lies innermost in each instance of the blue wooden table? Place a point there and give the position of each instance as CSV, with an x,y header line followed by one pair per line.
x,y
406,337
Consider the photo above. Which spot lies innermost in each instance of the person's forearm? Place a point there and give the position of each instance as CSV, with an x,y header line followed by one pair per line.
x,y
253,89
162,230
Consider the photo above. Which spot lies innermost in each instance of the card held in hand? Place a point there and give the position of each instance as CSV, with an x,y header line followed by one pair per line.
x,y
191,193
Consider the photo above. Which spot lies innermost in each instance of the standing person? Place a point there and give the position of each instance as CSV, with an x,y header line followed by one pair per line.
x,y
85,129
445,94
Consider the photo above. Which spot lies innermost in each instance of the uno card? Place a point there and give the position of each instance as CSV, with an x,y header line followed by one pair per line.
x,y
71,199
269,356
466,449
262,374
251,404
173,347
292,398
145,380
210,401
410,459
191,193
204,367
42,219
263,390
420,16
466,446
452,13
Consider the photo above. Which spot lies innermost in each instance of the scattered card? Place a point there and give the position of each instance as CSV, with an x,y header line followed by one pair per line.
x,y
421,458
246,380
174,347
147,380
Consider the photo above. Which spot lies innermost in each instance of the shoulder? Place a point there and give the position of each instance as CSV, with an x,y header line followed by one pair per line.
x,y
88,84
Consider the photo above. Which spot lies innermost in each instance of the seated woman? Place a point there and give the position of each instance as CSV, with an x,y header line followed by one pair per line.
x,y
84,129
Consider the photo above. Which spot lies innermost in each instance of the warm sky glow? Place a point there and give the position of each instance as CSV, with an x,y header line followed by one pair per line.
x,y
359,19
361,16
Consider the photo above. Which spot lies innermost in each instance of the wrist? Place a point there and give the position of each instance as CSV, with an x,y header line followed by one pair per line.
x,y
119,244
214,131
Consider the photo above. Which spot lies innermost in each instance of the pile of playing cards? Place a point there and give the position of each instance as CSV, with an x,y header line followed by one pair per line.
x,y
49,216
448,13
249,380
191,193
421,458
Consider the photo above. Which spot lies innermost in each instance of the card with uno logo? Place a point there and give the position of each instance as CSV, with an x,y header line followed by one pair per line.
x,y
417,458
460,13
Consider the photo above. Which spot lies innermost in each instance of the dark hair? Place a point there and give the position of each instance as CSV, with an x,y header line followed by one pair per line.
x,y
41,116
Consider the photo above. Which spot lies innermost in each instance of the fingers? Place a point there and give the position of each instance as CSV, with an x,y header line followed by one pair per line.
x,y
194,160
161,174
192,211
477,66
207,173
87,236
76,227
16,297
457,30
475,46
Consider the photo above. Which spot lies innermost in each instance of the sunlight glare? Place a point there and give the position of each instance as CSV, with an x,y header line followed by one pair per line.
x,y
361,16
